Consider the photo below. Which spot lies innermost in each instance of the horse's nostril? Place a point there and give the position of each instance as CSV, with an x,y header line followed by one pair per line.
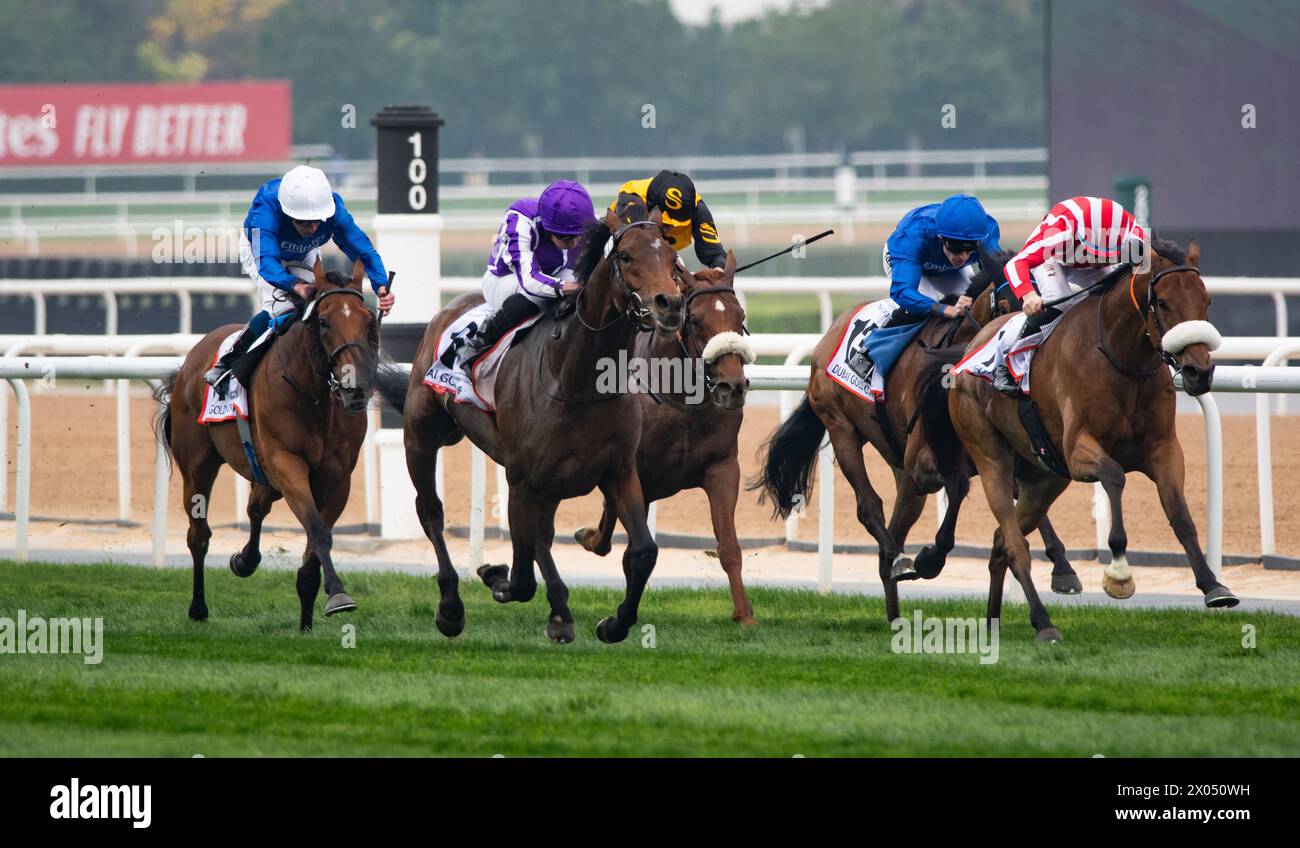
x,y
661,301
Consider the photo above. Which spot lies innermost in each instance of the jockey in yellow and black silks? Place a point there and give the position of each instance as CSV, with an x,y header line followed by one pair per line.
x,y
684,213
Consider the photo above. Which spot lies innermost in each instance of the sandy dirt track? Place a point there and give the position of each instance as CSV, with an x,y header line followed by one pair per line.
x,y
74,476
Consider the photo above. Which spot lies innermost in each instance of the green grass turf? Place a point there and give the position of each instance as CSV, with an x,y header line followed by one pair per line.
x,y
816,677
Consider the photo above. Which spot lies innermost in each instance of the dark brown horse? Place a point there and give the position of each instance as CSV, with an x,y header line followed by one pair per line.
x,y
1107,402
923,462
690,442
307,397
555,432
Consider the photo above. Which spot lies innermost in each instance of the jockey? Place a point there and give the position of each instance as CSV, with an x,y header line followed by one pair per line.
x,y
684,213
532,260
1080,241
932,255
291,217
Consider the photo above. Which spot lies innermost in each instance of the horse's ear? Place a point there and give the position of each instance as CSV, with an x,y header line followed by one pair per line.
x,y
612,222
656,216
358,274
1194,254
729,269
318,270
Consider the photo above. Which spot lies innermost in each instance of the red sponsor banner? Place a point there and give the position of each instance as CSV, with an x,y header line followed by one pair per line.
x,y
133,124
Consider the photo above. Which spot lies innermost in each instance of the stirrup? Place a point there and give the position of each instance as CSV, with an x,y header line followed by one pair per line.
x,y
1006,384
216,374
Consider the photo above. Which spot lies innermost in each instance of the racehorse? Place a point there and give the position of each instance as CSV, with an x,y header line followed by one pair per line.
x,y
1108,405
555,432
686,443
307,401
919,447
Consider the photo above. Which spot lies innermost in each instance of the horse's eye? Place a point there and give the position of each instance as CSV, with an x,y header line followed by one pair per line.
x,y
624,256
1161,303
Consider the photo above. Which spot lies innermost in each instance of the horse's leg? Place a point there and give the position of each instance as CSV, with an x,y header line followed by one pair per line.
x,y
559,627
871,513
1089,461
624,492
244,562
1036,496
722,485
598,539
1064,579
294,477
1165,468
308,582
997,575
908,504
521,584
932,558
197,478
422,445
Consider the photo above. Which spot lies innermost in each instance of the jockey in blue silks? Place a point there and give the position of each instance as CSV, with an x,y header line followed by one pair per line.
x,y
290,219
932,255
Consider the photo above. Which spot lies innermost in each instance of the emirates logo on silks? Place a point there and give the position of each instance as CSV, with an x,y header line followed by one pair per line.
x,y
673,199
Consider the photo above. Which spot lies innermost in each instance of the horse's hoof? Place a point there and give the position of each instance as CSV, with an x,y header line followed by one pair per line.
x,y
580,536
929,562
903,569
1069,584
1220,597
1118,589
340,602
449,627
198,613
241,566
1048,634
746,622
610,631
560,632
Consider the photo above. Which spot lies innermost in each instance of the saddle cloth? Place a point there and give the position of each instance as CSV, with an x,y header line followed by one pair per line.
x,y
232,399
984,360
866,319
480,389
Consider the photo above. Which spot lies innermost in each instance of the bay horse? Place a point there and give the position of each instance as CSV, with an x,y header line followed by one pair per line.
x,y
920,448
556,434
1107,402
687,444
307,401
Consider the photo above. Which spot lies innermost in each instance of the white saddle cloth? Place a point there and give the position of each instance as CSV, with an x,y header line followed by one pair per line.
x,y
855,333
232,399
479,390
984,360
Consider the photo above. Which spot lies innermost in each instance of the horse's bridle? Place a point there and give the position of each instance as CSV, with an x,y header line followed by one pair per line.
x,y
1165,355
688,322
332,383
635,308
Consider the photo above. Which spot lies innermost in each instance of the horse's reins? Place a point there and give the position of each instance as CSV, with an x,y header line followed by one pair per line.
x,y
634,308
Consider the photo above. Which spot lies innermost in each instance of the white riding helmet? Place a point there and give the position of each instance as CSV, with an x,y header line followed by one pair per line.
x,y
305,194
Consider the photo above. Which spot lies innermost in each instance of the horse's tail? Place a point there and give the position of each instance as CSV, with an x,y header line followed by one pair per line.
x,y
932,390
162,419
789,460
392,385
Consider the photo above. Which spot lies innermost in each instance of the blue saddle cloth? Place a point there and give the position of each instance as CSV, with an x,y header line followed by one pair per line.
x,y
885,344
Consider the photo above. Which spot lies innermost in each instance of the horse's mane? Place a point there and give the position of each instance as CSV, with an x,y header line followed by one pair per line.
x,y
1168,249
991,264
598,233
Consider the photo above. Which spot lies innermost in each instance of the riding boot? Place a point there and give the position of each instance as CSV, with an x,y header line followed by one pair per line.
x,y
516,309
1002,379
250,334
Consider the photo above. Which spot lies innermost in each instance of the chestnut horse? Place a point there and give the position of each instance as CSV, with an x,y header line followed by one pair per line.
x,y
1107,402
688,444
555,432
923,462
306,443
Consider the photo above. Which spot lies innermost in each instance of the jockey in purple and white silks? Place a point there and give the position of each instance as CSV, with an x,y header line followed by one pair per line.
x,y
532,260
